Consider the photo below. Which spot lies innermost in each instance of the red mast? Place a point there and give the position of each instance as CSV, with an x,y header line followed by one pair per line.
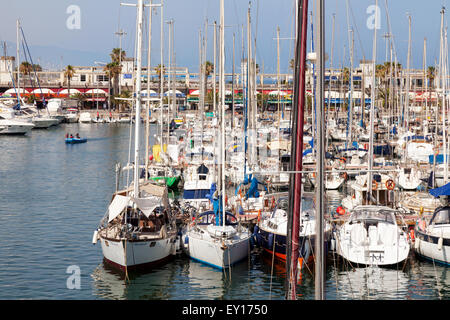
x,y
299,101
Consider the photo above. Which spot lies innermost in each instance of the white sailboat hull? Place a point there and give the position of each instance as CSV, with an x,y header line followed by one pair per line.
x,y
138,253
433,242
215,251
371,242
431,251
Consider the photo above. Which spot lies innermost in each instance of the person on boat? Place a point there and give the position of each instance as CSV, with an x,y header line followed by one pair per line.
x,y
71,136
77,135
67,135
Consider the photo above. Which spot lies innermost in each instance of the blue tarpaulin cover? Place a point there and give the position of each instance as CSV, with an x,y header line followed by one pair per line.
x,y
441,191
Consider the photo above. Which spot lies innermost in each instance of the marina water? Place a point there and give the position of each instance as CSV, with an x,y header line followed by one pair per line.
x,y
53,195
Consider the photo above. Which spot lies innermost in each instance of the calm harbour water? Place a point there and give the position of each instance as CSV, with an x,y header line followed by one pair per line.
x,y
53,195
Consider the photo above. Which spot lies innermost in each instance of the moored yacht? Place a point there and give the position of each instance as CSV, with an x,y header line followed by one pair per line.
x,y
371,236
432,235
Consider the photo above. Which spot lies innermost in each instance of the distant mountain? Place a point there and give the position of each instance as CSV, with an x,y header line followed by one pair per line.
x,y
56,58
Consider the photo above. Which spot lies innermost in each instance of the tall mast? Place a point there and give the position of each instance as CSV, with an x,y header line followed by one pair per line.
x,y
222,101
174,86
250,88
18,62
372,106
444,78
147,116
138,97
214,70
424,81
320,182
162,75
408,76
297,121
350,107
169,80
279,89
232,86
331,64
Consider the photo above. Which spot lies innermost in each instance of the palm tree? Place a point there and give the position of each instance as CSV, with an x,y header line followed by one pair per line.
x,y
345,75
117,55
160,71
68,73
113,71
209,68
114,68
431,75
25,69
121,103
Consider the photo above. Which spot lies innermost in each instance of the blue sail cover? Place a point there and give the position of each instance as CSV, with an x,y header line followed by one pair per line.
x,y
218,209
211,192
253,190
441,191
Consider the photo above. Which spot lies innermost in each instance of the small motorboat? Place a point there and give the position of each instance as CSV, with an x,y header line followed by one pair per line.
x,y
75,140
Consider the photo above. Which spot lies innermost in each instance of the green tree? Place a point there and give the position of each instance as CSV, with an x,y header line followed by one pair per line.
x,y
114,68
160,71
122,103
68,74
208,69
431,75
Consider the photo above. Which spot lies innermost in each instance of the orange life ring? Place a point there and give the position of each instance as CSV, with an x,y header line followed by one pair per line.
x,y
374,185
343,160
390,184
259,215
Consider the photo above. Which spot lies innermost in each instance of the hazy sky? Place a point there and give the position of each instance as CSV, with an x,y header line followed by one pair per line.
x,y
54,44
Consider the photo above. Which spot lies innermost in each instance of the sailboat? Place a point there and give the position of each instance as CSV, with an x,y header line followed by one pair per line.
x,y
215,237
271,231
371,236
432,235
138,229
31,112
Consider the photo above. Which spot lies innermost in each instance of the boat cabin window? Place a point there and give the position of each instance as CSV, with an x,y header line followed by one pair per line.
x,y
386,216
441,217
210,218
